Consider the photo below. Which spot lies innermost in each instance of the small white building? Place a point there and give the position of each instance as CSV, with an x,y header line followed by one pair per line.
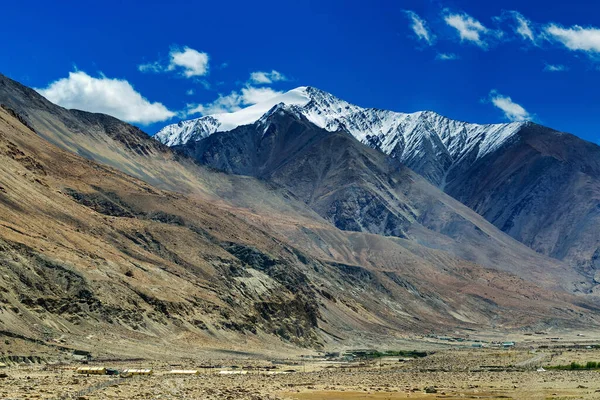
x,y
91,370
184,372
139,371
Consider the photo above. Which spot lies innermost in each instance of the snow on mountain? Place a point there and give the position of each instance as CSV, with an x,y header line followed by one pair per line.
x,y
199,128
425,141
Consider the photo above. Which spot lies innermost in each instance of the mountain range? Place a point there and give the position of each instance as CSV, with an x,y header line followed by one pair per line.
x,y
276,227
540,186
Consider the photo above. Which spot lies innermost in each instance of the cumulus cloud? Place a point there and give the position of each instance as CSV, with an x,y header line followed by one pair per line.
x,y
252,95
447,56
192,62
187,61
223,104
234,101
419,27
469,28
262,78
575,38
555,68
114,97
512,111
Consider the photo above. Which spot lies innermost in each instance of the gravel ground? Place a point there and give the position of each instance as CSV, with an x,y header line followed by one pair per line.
x,y
448,374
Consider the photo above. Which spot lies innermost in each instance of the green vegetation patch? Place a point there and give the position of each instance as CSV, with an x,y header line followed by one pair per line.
x,y
370,354
575,366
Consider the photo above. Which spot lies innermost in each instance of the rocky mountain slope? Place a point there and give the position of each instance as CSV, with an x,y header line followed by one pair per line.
x,y
542,189
91,255
360,189
85,248
538,185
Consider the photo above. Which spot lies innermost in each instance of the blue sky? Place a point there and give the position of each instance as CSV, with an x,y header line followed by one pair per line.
x,y
154,62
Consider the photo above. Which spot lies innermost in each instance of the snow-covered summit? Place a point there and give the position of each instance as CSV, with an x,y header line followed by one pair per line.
x,y
425,141
199,128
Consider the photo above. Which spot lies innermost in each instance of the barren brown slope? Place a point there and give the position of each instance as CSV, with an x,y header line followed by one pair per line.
x,y
90,255
84,246
122,146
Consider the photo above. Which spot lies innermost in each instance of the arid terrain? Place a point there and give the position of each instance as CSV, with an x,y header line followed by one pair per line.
x,y
121,253
448,371
93,257
305,200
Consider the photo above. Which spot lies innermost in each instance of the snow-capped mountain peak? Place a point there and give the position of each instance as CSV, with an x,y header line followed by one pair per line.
x,y
424,140
199,128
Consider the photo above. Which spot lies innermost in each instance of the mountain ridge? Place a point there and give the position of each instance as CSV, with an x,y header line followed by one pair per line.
x,y
357,188
459,158
406,136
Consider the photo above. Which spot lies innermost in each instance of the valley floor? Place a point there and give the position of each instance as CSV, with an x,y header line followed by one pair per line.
x,y
458,373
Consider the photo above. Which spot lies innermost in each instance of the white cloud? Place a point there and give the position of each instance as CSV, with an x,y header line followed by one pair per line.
x,y
555,68
204,83
223,104
234,101
190,92
189,62
253,95
150,67
523,27
511,110
261,78
447,56
419,27
193,62
114,97
575,38
469,28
